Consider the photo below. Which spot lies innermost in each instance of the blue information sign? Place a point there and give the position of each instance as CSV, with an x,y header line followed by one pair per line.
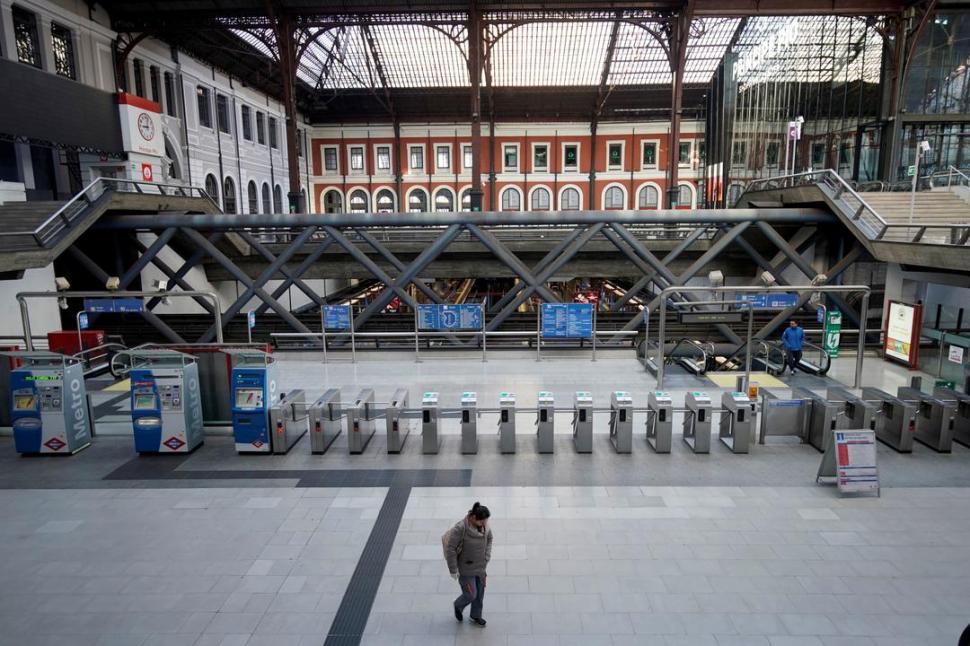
x,y
336,317
251,319
450,317
567,320
82,321
114,304
772,301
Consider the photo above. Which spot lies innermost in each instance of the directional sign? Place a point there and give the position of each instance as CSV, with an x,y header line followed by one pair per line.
x,y
336,317
114,304
567,321
251,319
447,316
82,321
771,301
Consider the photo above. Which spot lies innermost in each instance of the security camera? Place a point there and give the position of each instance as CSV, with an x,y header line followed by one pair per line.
x,y
161,285
716,278
61,284
767,279
820,279
112,284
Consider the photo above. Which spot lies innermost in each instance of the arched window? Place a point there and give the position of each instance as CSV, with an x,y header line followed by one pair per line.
x,y
212,187
332,202
685,196
173,170
277,199
444,201
229,196
466,200
358,201
267,205
253,195
569,200
418,201
648,198
540,199
511,201
385,201
613,198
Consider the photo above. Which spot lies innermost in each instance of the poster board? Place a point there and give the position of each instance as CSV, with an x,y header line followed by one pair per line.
x,y
902,332
567,321
855,460
450,316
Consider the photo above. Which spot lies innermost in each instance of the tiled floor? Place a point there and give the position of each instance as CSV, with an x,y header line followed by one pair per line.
x,y
226,550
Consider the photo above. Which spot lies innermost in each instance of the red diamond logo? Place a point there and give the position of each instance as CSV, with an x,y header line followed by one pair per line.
x,y
174,443
54,444
258,444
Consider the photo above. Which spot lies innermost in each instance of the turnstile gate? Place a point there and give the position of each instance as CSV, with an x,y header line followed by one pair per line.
x,y
583,422
545,422
288,420
735,423
697,421
398,426
325,415
469,423
961,416
621,421
856,412
430,439
506,423
933,421
821,418
894,422
660,421
361,421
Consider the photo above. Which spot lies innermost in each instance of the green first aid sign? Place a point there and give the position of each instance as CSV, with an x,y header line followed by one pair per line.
x,y
833,332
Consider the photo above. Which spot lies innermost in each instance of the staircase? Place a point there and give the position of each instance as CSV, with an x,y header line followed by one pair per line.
x,y
32,234
937,236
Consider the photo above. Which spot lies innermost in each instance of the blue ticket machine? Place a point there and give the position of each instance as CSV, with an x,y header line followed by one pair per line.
x,y
49,404
166,405
254,391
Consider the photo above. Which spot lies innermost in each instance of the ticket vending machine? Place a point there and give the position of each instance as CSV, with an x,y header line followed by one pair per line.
x,y
398,426
583,421
430,439
288,420
660,421
894,420
253,391
735,427
469,423
934,419
361,422
506,422
325,414
961,416
621,421
545,424
697,421
49,404
166,404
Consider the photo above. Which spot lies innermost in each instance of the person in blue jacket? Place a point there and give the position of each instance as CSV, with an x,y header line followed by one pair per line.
x,y
792,339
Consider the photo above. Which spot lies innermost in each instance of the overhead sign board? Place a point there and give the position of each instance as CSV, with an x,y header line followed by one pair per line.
x,y
114,305
450,316
769,301
567,321
711,317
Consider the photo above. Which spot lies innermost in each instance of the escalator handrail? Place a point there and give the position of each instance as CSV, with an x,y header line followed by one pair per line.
x,y
670,356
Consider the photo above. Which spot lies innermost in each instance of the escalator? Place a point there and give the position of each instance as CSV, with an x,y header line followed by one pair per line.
x,y
769,356
691,355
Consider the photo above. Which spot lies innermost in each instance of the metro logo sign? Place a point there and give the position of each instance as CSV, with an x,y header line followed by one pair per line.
x,y
54,444
174,443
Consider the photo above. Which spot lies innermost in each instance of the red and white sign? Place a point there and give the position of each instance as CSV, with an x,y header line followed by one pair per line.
x,y
146,172
141,125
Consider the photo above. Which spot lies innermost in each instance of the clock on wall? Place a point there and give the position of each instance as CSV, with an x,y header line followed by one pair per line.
x,y
146,128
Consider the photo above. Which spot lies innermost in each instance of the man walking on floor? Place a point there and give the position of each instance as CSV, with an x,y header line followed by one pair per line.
x,y
792,339
468,549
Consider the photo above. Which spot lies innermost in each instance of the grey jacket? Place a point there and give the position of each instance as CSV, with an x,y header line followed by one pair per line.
x,y
468,550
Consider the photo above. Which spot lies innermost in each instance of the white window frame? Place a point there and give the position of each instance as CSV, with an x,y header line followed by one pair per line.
x,y
579,161
532,192
518,159
656,154
368,207
377,157
622,191
690,153
437,149
363,159
693,195
515,189
376,194
546,168
563,189
467,145
424,160
622,145
636,203
407,198
323,159
443,189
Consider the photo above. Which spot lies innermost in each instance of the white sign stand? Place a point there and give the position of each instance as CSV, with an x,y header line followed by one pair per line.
x,y
851,459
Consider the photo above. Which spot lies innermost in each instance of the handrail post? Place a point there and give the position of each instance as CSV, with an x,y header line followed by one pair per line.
x,y
863,314
660,341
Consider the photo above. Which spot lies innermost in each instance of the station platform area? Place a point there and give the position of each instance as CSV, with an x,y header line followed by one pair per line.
x,y
216,548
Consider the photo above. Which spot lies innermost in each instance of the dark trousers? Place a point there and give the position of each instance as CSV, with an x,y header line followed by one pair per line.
x,y
472,592
792,357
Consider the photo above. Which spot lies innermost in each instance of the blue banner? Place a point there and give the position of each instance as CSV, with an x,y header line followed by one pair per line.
x,y
450,317
114,305
567,320
336,317
772,301
82,321
251,319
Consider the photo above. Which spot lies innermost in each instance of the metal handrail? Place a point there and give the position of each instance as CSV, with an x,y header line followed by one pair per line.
x,y
671,358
